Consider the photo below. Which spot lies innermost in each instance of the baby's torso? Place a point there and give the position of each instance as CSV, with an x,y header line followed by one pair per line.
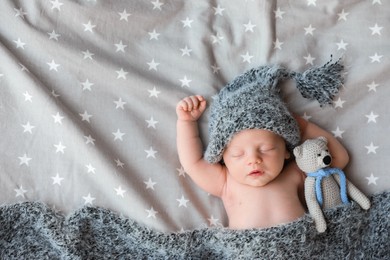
x,y
260,207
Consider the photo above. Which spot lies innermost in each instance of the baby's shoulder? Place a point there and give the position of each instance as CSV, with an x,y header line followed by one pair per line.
x,y
291,172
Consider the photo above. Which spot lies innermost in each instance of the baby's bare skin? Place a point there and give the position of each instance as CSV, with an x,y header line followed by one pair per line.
x,y
258,188
261,207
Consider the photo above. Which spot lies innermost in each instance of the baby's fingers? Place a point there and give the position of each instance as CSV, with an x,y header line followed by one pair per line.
x,y
191,103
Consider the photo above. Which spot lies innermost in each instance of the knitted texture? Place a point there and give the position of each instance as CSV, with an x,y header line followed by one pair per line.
x,y
33,231
324,187
253,101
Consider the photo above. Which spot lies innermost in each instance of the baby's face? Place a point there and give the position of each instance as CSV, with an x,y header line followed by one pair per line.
x,y
255,157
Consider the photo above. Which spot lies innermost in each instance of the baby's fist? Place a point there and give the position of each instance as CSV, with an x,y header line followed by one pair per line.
x,y
191,108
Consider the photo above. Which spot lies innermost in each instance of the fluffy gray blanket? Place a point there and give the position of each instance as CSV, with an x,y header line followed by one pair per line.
x,y
34,231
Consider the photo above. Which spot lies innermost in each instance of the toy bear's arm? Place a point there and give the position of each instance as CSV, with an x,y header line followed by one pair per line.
x,y
355,194
315,209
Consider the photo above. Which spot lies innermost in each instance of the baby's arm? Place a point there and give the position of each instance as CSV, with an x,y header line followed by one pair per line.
x,y
210,177
340,157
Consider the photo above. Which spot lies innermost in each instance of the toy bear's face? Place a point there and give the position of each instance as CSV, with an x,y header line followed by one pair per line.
x,y
313,155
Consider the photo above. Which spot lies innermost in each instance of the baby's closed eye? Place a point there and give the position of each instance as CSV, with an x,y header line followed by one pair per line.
x,y
237,154
266,149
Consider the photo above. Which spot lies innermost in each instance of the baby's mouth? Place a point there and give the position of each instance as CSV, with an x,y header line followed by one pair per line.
x,y
255,173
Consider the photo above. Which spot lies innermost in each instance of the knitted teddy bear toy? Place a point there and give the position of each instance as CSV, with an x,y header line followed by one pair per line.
x,y
325,187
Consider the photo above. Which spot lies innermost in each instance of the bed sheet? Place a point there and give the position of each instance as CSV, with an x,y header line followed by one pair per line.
x,y
88,91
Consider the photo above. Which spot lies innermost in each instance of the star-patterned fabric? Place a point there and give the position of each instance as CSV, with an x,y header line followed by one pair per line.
x,y
88,91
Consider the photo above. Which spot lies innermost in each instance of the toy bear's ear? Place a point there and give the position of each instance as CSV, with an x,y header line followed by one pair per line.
x,y
297,151
323,139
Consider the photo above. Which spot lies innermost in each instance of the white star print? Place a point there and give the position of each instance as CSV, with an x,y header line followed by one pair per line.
x,y
278,44
19,44
376,58
87,85
53,65
118,135
372,179
338,133
218,10
246,57
186,51
151,213
54,94
88,27
58,118
216,38
154,92
23,68
27,97
309,59
88,55
28,128
85,116
213,221
89,140
157,4
187,22
24,160
185,82
181,172
371,148
311,2
120,103
120,192
151,123
153,65
59,147
153,35
57,179
342,15
150,184
342,45
150,153
279,13
120,47
309,30
124,15
215,68
19,12
121,74
371,117
119,163
90,168
372,86
20,192
182,202
306,116
53,35
249,26
56,5
376,2
338,103
88,199
376,29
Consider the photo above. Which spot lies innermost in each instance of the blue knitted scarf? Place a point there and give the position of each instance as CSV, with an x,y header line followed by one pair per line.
x,y
321,173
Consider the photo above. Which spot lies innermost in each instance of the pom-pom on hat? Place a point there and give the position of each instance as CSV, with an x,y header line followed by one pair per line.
x,y
253,101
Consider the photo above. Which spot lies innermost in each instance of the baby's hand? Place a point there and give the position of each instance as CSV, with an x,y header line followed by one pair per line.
x,y
191,108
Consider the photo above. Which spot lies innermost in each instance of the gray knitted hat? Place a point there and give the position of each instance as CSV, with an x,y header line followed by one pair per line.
x,y
253,101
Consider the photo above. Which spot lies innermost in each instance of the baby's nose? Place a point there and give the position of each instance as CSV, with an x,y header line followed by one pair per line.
x,y
254,159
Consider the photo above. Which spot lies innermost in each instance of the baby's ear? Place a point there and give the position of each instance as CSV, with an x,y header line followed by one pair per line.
x,y
288,155
298,151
